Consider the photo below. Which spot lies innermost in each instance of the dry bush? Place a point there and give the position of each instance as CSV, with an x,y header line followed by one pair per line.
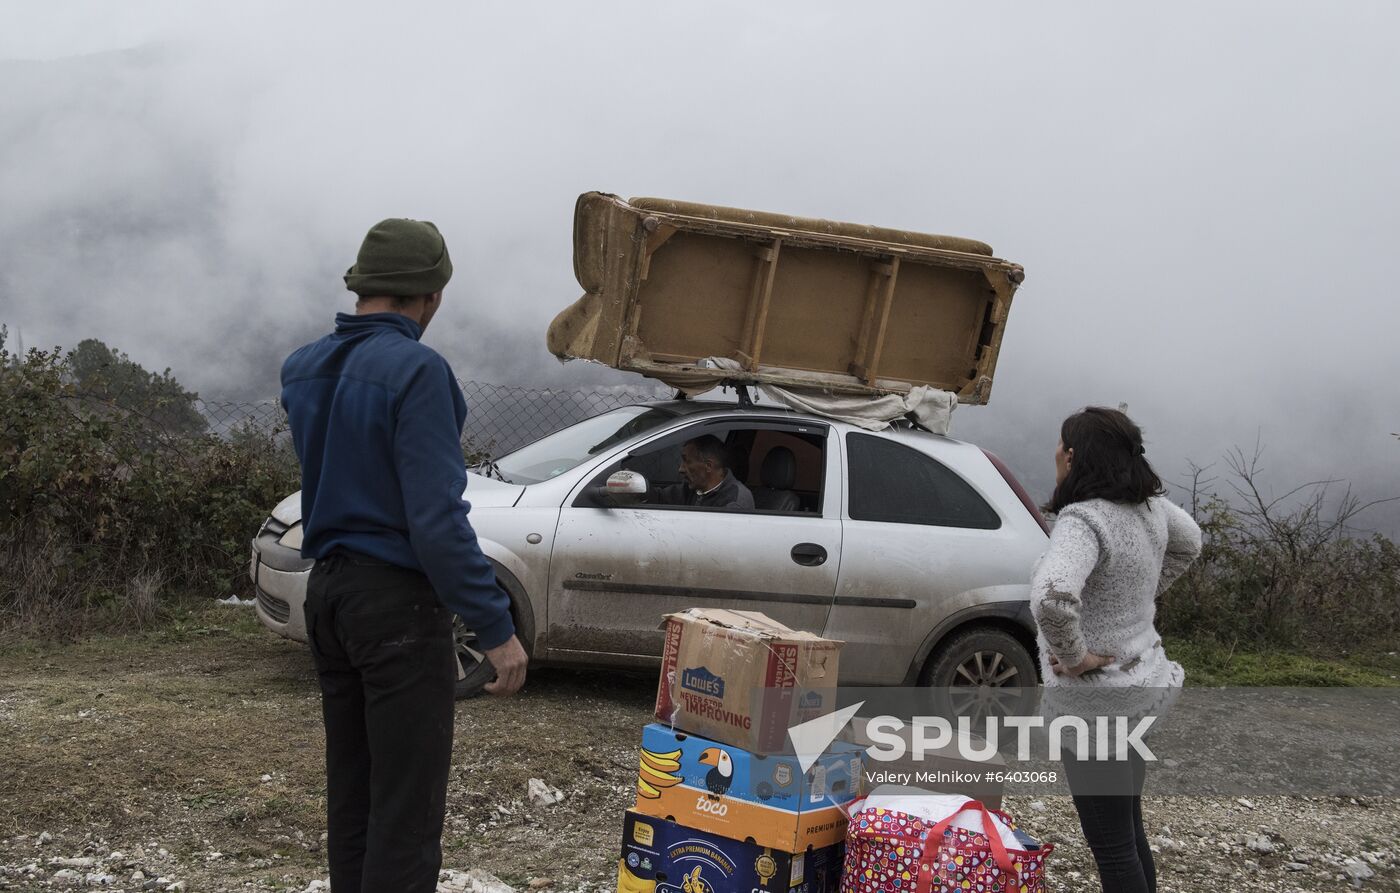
x,y
1290,570
107,513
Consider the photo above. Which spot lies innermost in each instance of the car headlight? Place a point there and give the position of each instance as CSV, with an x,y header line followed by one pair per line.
x,y
289,508
292,538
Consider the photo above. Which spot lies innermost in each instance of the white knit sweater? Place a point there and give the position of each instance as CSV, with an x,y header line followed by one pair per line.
x,y
1095,589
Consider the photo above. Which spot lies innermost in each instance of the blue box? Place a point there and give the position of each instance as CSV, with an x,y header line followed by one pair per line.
x,y
728,791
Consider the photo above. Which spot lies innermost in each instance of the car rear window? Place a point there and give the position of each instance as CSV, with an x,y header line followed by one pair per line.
x,y
892,482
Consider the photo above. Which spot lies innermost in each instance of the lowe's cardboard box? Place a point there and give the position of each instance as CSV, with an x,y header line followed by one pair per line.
x,y
728,791
742,678
662,857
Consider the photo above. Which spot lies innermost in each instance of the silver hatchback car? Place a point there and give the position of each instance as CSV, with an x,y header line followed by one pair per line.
x,y
913,548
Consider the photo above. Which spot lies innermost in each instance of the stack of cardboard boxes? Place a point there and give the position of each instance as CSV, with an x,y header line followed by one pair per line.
x,y
722,802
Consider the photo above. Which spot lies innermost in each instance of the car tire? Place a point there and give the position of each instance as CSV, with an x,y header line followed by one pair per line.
x,y
992,665
475,670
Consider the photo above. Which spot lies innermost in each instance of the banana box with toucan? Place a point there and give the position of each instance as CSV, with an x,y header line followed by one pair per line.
x,y
659,856
725,790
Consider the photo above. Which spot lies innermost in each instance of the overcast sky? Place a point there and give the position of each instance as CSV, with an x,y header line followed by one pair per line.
x,y
1204,195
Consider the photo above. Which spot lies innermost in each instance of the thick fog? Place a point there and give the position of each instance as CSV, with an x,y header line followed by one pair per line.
x,y
1204,195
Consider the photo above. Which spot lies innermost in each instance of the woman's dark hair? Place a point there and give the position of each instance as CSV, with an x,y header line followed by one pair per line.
x,y
1109,460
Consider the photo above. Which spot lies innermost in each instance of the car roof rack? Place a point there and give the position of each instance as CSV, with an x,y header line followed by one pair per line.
x,y
913,422
741,389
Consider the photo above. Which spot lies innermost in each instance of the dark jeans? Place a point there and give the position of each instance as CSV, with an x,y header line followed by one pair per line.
x,y
1112,822
382,643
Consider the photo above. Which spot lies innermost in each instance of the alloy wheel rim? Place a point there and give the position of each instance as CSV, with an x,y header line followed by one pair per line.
x,y
986,683
468,648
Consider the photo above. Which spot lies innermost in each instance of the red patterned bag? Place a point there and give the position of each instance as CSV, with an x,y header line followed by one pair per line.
x,y
888,851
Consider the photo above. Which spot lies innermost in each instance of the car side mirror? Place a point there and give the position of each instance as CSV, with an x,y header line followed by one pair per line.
x,y
623,488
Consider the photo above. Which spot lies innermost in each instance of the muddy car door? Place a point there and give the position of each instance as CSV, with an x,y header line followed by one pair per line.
x,y
616,570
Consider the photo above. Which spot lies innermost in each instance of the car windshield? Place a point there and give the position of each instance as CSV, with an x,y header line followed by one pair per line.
x,y
556,453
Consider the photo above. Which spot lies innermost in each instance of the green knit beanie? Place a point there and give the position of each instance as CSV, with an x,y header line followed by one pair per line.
x,y
401,258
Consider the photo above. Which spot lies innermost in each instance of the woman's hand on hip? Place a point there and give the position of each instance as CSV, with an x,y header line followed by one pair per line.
x,y
1091,661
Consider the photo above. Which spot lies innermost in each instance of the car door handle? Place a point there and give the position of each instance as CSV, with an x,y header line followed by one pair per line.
x,y
809,554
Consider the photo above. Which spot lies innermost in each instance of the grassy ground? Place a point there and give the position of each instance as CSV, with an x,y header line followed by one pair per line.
x,y
1213,663
150,729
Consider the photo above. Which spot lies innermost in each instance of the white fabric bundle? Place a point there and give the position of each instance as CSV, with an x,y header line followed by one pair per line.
x,y
931,407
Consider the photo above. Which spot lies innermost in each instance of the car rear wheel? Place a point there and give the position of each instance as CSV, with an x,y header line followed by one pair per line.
x,y
981,672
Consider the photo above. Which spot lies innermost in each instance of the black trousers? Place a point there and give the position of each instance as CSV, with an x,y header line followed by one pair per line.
x,y
382,643
1112,822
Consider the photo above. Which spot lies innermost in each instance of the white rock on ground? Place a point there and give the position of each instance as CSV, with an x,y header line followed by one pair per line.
x,y
1167,844
76,862
542,794
474,881
1358,871
237,602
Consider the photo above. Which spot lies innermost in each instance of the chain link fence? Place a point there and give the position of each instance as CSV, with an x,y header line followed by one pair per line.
x,y
500,418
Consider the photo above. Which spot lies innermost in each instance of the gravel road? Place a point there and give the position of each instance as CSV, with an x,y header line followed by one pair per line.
x,y
190,759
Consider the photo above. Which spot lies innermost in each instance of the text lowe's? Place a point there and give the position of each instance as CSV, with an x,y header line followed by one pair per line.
x,y
702,682
743,679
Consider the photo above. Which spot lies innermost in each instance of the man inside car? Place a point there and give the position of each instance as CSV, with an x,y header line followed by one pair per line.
x,y
706,479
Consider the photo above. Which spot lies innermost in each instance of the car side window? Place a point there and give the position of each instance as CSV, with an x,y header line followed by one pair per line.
x,y
892,482
658,463
781,465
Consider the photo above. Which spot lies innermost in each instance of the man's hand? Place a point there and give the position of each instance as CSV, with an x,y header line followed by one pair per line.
x,y
1091,661
510,661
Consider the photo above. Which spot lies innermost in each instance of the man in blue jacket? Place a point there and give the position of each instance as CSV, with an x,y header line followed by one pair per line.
x,y
376,420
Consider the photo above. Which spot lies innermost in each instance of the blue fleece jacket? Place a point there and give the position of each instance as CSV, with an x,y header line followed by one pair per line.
x,y
377,421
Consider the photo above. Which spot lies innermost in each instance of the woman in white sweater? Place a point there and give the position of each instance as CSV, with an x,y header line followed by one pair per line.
x,y
1117,545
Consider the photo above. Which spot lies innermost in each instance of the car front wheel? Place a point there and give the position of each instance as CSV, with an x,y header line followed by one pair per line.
x,y
474,670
